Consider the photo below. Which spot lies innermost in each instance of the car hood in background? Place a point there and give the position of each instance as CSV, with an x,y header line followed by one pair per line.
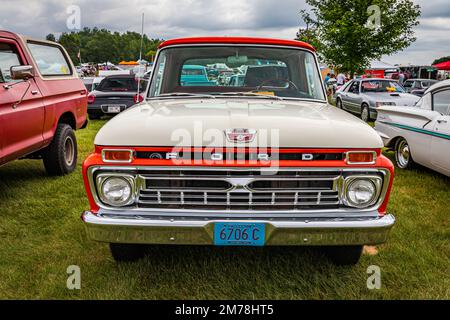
x,y
293,123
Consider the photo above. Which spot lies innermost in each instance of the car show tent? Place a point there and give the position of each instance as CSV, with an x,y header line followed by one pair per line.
x,y
443,66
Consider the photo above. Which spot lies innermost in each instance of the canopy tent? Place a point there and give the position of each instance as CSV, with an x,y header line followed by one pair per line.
x,y
380,65
443,65
128,63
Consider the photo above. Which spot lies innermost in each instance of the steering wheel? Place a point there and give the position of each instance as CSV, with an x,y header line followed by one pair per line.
x,y
291,84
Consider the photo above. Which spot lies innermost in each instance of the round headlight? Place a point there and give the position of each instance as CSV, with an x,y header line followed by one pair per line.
x,y
116,191
361,193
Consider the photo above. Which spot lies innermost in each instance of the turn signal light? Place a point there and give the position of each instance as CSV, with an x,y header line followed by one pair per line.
x,y
361,157
125,156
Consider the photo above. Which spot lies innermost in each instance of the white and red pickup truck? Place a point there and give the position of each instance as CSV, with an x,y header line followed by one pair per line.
x,y
257,159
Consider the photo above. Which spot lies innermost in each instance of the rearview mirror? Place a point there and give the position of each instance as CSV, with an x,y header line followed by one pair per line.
x,y
237,59
21,72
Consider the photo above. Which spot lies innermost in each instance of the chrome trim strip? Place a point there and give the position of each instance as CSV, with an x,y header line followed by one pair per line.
x,y
163,230
377,181
233,213
103,177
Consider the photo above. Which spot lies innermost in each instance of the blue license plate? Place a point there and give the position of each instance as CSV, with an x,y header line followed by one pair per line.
x,y
239,234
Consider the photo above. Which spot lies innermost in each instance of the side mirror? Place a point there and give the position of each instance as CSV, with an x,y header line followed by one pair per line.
x,y
21,72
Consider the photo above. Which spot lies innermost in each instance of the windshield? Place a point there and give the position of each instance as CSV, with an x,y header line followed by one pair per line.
x,y
427,84
224,70
381,86
408,84
120,84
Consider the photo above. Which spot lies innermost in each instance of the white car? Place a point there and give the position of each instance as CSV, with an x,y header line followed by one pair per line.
x,y
420,134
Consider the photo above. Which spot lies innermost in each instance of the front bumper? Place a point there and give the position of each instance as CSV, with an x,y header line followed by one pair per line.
x,y
200,231
102,109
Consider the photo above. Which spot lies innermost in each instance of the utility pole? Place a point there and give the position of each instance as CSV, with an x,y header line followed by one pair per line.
x,y
140,59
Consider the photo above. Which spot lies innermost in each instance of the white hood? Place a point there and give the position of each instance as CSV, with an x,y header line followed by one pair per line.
x,y
293,124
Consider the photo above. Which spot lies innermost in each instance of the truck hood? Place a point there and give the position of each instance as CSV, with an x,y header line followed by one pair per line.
x,y
203,122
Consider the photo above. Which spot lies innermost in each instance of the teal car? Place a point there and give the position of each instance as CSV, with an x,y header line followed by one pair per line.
x,y
194,75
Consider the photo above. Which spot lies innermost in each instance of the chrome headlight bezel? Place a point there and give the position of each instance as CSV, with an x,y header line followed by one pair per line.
x,y
101,179
349,181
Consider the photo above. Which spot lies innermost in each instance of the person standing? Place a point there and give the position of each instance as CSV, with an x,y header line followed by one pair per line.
x,y
401,78
327,78
340,79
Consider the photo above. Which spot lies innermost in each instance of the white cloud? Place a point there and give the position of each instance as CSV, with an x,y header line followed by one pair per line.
x,y
169,19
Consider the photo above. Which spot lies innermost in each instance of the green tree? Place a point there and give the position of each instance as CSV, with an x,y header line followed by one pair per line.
x,y
309,35
50,37
101,45
352,33
71,42
440,60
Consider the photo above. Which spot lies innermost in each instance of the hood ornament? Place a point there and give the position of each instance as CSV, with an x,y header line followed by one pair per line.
x,y
240,135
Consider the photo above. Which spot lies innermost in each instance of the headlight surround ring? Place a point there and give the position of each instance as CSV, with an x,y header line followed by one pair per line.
x,y
124,181
362,184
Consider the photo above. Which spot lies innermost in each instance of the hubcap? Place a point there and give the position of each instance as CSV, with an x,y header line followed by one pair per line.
x,y
69,151
365,114
403,154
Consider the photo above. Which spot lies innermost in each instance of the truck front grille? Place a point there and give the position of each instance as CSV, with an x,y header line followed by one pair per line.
x,y
239,189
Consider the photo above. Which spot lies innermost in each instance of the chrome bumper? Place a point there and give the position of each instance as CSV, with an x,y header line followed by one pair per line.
x,y
200,231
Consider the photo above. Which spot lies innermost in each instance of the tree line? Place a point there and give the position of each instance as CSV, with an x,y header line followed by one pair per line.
x,y
101,45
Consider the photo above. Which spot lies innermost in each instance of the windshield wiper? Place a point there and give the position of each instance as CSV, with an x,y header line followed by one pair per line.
x,y
249,94
183,94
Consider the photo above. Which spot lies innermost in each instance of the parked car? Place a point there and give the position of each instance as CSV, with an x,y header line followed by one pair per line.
x,y
91,83
96,82
193,75
364,96
215,69
160,173
42,102
88,82
422,134
237,80
113,95
418,86
148,74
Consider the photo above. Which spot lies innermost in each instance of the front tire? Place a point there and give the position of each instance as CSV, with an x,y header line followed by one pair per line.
x,y
339,103
344,255
365,113
403,156
126,252
61,155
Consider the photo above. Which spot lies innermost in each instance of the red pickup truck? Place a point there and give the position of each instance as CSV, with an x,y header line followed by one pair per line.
x,y
42,102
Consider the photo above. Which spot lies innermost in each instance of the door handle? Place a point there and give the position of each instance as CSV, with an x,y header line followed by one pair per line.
x,y
83,92
34,92
442,121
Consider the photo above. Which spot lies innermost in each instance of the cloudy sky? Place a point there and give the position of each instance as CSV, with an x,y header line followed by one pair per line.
x,y
179,18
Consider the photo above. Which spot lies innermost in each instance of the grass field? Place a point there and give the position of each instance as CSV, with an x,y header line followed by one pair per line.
x,y
41,235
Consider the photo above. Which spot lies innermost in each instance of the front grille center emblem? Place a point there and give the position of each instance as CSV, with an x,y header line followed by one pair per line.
x,y
240,135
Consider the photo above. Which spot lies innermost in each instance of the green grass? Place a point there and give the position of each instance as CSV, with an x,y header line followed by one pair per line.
x,y
41,235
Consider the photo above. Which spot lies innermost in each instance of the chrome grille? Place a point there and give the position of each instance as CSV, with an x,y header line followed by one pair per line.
x,y
239,189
